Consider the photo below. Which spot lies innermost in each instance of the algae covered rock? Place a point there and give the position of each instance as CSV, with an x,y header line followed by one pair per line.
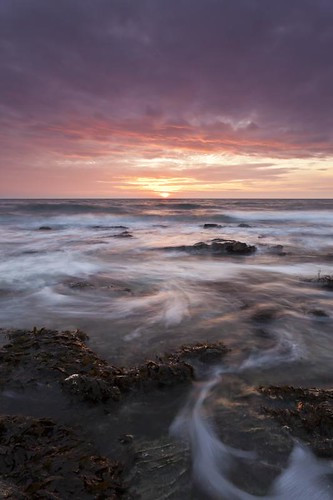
x,y
211,226
217,247
48,460
306,413
91,389
63,358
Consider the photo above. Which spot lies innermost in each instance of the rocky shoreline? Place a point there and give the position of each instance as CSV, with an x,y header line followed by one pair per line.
x,y
42,458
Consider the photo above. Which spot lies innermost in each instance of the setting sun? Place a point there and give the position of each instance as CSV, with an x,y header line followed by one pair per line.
x,y
164,195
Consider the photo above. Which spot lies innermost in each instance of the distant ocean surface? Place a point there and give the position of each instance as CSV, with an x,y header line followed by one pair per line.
x,y
125,272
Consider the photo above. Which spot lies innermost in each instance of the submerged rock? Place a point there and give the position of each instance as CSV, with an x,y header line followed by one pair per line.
x,y
319,313
123,234
109,227
217,247
326,281
80,284
264,314
277,250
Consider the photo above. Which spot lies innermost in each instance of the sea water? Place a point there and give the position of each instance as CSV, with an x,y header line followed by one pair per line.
x,y
105,266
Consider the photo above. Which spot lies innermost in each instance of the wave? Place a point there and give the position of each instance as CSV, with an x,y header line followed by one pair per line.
x,y
70,208
179,206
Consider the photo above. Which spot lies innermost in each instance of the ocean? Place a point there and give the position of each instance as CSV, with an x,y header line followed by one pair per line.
x,y
128,273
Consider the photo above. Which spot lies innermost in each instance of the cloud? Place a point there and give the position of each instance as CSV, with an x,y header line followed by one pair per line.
x,y
89,79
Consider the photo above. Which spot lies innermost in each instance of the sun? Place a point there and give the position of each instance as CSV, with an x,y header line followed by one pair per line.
x,y
164,195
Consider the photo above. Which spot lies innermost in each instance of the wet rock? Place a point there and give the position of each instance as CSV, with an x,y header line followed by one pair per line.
x,y
45,228
277,250
264,314
64,358
204,352
8,490
326,281
211,226
123,234
126,439
217,247
288,392
80,285
92,389
48,460
264,334
114,286
243,224
305,413
162,470
231,246
319,313
110,227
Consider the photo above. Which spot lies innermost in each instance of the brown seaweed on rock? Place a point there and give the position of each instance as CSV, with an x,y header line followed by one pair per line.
x,y
305,413
64,358
217,247
42,459
325,281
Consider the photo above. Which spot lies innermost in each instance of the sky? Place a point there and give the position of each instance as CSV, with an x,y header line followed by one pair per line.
x,y
179,98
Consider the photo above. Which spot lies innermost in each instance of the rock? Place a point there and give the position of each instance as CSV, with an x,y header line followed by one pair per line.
x,y
80,285
109,227
45,228
8,490
203,352
64,358
323,281
123,234
161,470
220,246
243,224
126,438
305,413
217,247
319,313
92,389
277,250
48,460
211,226
326,281
264,314
107,284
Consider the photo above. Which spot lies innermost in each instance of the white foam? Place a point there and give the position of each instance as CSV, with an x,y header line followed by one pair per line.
x,y
169,306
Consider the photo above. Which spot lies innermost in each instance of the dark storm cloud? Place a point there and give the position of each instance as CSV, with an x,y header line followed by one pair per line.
x,y
261,68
